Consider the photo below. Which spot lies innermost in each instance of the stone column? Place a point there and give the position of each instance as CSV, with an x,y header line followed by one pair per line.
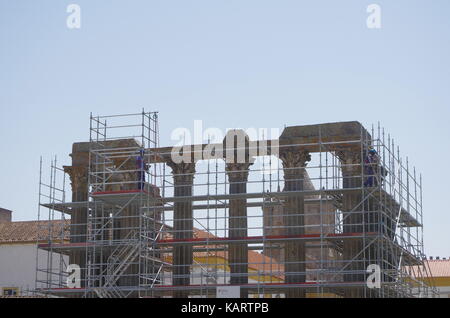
x,y
237,225
183,225
128,220
78,222
273,224
352,220
294,161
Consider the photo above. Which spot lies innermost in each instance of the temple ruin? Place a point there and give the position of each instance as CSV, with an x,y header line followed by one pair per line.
x,y
145,224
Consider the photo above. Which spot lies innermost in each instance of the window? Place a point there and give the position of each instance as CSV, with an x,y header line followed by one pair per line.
x,y
10,291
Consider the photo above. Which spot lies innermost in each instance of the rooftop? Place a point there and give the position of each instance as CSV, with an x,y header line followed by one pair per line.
x,y
439,267
31,231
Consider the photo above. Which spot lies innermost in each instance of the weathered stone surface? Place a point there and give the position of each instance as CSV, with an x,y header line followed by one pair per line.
x,y
183,224
339,131
237,224
294,161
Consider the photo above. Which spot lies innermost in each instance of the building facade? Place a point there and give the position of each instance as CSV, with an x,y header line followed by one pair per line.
x,y
18,255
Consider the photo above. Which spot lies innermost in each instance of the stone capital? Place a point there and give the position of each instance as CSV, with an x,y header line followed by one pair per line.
x,y
294,159
78,177
182,172
350,161
238,172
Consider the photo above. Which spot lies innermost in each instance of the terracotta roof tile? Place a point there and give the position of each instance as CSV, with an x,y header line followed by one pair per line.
x,y
439,268
31,231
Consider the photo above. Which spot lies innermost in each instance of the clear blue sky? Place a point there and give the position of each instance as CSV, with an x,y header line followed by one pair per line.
x,y
234,63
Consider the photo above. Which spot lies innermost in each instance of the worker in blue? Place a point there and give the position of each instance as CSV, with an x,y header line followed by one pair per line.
x,y
142,168
371,163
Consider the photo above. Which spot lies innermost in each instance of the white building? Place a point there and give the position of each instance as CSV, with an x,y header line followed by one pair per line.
x,y
18,254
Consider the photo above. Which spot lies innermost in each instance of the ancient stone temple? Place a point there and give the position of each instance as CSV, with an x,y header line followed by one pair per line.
x,y
207,220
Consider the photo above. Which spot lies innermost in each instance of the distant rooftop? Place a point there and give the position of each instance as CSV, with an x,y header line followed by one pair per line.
x,y
439,267
30,231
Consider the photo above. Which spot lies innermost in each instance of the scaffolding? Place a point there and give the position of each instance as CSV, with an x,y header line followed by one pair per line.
x,y
317,228
109,236
52,229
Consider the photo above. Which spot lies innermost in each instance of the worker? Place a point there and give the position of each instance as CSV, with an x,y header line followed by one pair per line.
x,y
371,163
142,168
